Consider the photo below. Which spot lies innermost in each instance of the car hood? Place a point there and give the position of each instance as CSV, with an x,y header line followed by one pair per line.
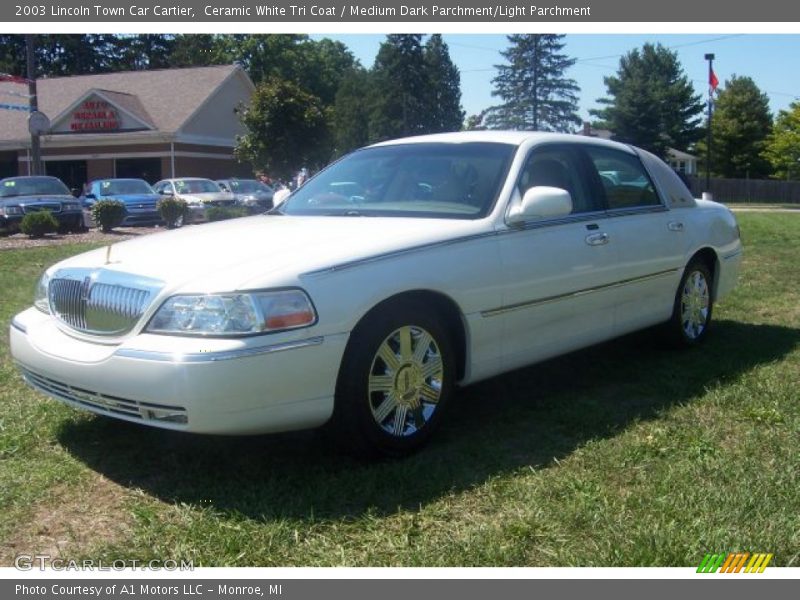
x,y
134,198
252,252
39,198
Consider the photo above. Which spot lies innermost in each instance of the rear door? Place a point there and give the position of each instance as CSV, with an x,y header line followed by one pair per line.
x,y
646,236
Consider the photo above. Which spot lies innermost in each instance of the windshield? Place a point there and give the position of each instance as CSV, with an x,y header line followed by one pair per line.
x,y
248,186
111,187
33,186
196,186
457,181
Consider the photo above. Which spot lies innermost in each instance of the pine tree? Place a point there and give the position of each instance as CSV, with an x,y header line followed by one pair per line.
x,y
397,106
444,87
536,93
351,112
652,103
740,125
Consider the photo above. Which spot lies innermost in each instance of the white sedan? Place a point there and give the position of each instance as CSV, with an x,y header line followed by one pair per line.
x,y
394,276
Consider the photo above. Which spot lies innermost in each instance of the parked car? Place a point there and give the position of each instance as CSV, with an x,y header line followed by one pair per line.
x,y
251,194
23,195
446,259
198,193
141,202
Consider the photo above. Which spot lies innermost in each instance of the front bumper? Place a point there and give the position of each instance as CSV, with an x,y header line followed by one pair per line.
x,y
245,386
142,217
72,219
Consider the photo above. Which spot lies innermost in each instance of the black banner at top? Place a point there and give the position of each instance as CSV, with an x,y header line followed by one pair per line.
x,y
413,11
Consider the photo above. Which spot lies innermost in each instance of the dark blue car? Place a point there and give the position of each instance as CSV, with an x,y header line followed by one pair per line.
x,y
141,202
20,196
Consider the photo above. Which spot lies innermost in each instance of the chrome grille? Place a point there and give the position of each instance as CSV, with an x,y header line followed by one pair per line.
x,y
105,404
53,207
91,306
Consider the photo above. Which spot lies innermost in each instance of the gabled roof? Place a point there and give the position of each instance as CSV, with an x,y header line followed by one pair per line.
x,y
680,155
165,99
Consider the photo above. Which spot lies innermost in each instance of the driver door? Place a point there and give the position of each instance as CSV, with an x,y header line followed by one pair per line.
x,y
558,272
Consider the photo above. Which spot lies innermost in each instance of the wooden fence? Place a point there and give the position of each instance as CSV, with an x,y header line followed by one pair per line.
x,y
770,191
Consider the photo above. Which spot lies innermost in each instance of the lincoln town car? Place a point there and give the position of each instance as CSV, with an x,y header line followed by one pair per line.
x,y
390,279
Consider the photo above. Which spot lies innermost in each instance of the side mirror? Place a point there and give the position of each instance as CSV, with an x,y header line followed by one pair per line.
x,y
90,197
541,202
166,193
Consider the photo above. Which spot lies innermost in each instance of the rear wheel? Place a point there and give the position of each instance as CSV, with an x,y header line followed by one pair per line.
x,y
691,315
395,381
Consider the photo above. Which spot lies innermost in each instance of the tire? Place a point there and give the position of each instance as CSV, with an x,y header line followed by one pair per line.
x,y
691,313
395,382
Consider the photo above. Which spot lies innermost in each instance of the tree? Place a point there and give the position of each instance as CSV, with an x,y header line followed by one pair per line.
x,y
783,144
142,51
200,50
740,124
444,87
397,106
287,128
351,112
74,54
476,122
535,92
12,55
652,103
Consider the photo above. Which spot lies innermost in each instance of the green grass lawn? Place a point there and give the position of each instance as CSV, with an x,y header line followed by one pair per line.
x,y
626,454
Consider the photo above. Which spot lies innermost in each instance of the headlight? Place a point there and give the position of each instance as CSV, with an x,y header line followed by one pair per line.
x,y
234,314
10,211
40,297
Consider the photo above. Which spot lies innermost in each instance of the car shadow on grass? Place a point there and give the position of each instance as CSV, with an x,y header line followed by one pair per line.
x,y
521,420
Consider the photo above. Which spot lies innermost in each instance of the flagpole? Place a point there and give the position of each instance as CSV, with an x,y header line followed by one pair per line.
x,y
36,152
710,59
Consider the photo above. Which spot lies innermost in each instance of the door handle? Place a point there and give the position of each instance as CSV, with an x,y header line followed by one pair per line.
x,y
675,226
597,239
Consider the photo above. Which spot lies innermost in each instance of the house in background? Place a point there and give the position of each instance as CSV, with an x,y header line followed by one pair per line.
x,y
682,162
148,124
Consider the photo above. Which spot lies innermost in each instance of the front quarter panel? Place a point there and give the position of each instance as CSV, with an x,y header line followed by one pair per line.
x,y
466,271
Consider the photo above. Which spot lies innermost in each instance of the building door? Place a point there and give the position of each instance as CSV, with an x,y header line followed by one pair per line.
x,y
148,169
71,172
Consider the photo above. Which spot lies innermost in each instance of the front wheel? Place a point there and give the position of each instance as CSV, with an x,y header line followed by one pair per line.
x,y
691,315
395,381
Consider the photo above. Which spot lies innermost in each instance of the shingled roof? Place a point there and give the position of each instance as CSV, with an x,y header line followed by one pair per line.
x,y
164,99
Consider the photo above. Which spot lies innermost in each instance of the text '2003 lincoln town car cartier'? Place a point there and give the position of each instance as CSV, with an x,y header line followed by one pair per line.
x,y
393,276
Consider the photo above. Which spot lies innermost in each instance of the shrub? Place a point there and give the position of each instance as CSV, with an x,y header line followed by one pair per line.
x,y
220,213
173,211
38,224
108,214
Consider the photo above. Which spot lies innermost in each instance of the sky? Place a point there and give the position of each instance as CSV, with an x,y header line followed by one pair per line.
x,y
771,60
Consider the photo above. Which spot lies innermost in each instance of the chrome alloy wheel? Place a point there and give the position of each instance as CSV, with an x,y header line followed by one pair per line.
x,y
405,381
695,302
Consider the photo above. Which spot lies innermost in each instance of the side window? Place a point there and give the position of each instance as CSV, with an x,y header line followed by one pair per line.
x,y
560,167
624,179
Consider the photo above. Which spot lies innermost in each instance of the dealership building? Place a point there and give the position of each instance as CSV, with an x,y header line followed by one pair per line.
x,y
148,124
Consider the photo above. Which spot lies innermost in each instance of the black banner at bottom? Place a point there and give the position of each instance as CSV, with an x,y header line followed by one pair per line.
x,y
393,589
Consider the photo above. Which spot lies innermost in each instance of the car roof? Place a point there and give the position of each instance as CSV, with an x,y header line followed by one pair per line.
x,y
187,179
513,138
118,179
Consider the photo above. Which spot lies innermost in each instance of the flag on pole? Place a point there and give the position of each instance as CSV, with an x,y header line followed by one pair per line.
x,y
713,82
